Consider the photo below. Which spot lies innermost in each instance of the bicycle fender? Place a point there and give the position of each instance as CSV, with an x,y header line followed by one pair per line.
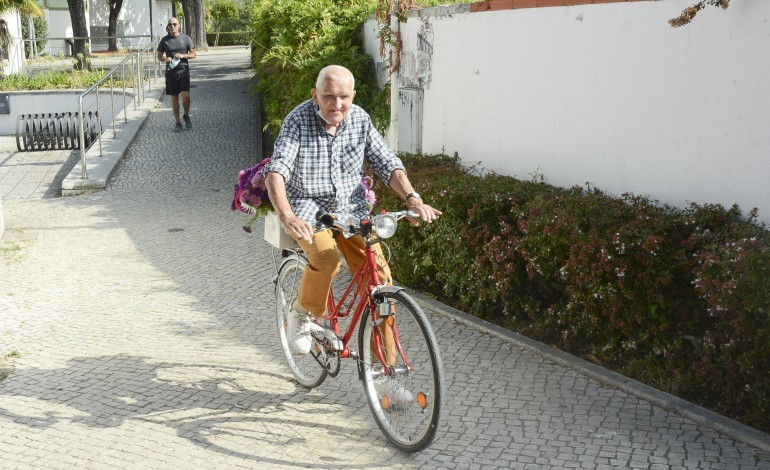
x,y
379,290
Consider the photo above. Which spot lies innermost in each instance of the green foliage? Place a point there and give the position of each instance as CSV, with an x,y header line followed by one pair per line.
x,y
41,31
295,39
230,38
689,13
222,12
22,6
677,298
53,80
5,42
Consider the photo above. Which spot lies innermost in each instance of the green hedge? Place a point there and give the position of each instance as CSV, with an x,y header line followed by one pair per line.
x,y
676,298
230,38
295,39
55,80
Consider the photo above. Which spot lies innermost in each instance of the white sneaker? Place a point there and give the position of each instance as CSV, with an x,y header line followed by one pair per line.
x,y
298,332
397,394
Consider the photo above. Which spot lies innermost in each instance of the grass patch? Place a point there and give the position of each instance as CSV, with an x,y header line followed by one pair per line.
x,y
6,362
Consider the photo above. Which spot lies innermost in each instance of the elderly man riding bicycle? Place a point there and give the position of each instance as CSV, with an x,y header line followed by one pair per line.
x,y
317,165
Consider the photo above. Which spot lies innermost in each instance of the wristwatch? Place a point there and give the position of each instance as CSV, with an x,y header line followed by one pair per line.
x,y
411,195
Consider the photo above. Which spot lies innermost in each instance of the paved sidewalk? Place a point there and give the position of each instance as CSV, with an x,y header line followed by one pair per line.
x,y
139,327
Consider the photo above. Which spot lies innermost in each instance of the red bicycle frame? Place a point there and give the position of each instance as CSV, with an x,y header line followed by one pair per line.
x,y
354,301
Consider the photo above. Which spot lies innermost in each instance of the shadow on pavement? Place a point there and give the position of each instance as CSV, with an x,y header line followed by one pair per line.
x,y
214,407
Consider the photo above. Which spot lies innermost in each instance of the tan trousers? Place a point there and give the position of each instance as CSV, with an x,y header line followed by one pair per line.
x,y
324,263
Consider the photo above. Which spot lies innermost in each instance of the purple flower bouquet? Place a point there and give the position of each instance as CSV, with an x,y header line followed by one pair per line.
x,y
250,195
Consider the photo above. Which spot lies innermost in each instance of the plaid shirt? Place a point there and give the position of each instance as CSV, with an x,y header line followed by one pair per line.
x,y
324,171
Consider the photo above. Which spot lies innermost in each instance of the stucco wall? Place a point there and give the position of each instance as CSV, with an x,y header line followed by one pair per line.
x,y
60,101
59,26
608,94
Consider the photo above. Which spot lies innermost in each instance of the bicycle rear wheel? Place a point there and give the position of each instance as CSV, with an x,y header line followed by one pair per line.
x,y
406,404
304,367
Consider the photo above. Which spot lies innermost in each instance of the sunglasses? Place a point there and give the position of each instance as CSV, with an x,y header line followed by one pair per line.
x,y
173,24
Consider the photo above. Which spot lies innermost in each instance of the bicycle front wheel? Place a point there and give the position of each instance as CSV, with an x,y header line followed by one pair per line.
x,y
406,399
304,367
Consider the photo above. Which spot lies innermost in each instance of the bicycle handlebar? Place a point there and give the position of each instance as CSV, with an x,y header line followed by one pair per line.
x,y
365,225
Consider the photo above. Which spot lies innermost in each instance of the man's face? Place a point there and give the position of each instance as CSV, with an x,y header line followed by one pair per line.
x,y
173,27
335,97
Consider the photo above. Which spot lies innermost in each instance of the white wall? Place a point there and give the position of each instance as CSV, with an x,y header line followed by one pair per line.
x,y
60,26
60,101
608,94
135,15
15,60
160,14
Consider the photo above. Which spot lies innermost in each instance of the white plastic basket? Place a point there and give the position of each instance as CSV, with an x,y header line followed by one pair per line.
x,y
275,233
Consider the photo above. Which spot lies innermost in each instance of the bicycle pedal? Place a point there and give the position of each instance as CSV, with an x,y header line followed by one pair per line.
x,y
329,339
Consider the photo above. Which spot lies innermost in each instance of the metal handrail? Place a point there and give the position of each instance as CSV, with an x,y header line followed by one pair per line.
x,y
136,59
88,39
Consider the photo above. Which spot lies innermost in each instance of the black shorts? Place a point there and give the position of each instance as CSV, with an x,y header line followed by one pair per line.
x,y
177,81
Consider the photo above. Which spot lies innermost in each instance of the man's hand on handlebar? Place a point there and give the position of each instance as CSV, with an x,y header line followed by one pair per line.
x,y
426,212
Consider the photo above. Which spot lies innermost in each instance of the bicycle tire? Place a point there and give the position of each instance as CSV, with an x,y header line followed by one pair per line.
x,y
307,371
409,420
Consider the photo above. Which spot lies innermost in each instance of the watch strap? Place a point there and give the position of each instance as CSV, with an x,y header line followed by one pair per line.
x,y
411,195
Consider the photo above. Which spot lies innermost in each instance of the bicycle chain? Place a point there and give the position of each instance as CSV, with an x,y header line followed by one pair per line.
x,y
328,353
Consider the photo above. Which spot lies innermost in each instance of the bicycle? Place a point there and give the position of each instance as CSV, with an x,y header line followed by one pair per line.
x,y
398,357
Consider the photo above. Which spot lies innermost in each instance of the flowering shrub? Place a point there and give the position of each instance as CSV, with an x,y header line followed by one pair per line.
x,y
676,298
731,274
367,182
250,195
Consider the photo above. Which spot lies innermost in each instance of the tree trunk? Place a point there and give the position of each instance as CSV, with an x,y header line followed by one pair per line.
x,y
112,27
186,8
79,30
195,22
200,35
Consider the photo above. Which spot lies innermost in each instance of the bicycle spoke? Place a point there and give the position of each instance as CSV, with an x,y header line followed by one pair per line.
x,y
306,368
405,398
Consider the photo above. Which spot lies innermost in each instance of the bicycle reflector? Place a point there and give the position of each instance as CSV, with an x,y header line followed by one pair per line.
x,y
385,225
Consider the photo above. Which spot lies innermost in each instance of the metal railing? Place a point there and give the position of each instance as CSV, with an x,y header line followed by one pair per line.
x,y
70,39
142,64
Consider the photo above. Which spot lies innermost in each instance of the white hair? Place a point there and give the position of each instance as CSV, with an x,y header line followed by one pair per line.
x,y
333,71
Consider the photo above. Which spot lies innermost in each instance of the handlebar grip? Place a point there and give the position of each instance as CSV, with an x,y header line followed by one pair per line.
x,y
326,219
330,221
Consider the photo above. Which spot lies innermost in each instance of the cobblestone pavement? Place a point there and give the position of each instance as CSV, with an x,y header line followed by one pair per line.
x,y
137,329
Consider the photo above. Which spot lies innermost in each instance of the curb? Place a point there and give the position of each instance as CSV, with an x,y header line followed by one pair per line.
x,y
738,431
99,169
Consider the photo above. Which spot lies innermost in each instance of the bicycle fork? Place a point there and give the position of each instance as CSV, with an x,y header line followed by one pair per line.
x,y
385,311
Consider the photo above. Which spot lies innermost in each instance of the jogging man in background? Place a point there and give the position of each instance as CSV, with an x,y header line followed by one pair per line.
x,y
175,49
